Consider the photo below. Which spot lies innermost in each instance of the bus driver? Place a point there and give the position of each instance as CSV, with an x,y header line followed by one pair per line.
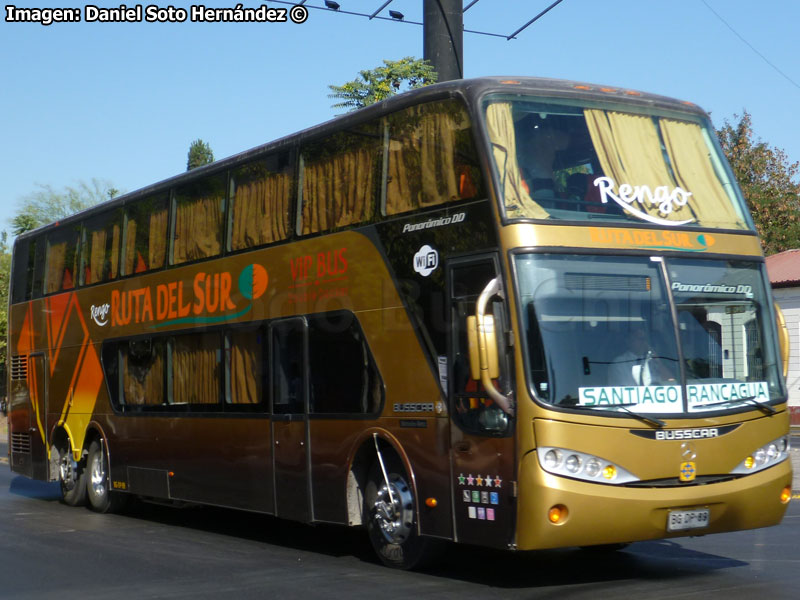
x,y
640,364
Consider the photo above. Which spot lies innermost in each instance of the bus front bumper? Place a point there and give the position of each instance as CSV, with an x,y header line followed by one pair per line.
x,y
593,514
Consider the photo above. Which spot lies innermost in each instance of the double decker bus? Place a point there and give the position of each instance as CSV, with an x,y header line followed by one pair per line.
x,y
518,313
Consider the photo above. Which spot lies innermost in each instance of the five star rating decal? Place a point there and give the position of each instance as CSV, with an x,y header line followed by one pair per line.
x,y
480,481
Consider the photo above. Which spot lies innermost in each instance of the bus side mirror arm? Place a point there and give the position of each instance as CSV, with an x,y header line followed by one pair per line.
x,y
783,338
487,352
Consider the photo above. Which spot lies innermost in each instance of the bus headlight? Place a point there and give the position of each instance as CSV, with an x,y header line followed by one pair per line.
x,y
764,457
579,465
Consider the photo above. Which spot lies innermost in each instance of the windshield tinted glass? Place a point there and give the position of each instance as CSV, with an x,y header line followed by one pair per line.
x,y
599,331
563,161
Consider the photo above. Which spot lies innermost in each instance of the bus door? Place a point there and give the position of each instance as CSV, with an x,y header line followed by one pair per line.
x,y
27,414
291,458
481,434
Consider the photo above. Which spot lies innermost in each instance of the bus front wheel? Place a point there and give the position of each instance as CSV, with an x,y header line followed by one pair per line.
x,y
391,518
101,498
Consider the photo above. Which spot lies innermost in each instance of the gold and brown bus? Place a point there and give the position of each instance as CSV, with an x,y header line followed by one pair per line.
x,y
519,313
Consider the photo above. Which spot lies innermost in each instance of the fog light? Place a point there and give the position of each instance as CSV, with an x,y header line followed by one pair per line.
x,y
786,495
557,514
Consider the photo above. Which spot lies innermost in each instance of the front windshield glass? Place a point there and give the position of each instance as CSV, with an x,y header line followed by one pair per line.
x,y
599,331
560,160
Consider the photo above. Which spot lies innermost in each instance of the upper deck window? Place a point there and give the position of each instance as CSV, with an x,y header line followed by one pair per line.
x,y
101,243
570,162
199,209
340,177
145,235
431,158
260,194
62,259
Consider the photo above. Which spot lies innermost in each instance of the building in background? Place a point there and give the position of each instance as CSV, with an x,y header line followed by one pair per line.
x,y
784,275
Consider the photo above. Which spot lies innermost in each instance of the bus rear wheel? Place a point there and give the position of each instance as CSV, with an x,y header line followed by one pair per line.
x,y
72,477
101,498
391,519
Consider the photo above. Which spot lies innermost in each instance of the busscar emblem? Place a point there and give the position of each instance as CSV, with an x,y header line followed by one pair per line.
x,y
688,471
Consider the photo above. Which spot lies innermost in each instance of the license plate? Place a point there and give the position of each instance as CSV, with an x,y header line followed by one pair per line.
x,y
680,520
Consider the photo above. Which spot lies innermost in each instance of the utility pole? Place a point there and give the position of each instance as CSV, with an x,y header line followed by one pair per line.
x,y
443,38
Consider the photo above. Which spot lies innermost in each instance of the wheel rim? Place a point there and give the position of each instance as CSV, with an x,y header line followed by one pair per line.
x,y
98,477
394,513
68,471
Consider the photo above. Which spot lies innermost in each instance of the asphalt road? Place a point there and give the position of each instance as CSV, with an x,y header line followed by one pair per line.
x,y
52,551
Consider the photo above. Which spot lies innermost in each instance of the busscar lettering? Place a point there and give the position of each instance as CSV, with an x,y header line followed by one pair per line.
x,y
687,434
43,16
403,407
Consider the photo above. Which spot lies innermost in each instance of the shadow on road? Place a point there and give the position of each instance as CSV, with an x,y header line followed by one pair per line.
x,y
22,486
663,560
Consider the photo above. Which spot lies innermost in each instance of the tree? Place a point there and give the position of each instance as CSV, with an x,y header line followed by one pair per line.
x,y
199,154
47,205
383,82
5,273
769,183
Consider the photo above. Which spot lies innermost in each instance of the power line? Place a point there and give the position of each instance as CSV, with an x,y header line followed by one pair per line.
x,y
374,15
749,45
536,18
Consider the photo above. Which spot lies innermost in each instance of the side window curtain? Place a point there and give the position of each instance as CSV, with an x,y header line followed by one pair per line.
x,y
142,364
135,373
260,202
101,247
431,158
195,376
199,211
340,178
62,259
145,235
246,360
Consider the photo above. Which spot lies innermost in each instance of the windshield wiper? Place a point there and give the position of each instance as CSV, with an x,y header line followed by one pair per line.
x,y
624,408
765,408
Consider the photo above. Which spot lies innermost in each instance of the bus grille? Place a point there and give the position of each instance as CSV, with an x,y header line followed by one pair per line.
x,y
21,443
19,368
675,482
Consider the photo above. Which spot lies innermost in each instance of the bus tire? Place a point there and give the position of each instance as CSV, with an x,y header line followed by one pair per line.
x,y
101,498
392,526
72,477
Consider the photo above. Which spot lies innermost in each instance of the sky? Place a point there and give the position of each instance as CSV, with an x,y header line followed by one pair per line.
x,y
122,102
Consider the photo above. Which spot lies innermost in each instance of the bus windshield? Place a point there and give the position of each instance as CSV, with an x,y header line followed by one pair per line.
x,y
561,160
657,335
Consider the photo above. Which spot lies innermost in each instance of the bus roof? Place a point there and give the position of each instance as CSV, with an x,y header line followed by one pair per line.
x,y
471,89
